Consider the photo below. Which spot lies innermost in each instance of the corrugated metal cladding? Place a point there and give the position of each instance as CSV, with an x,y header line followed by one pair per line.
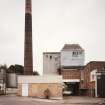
x,y
11,81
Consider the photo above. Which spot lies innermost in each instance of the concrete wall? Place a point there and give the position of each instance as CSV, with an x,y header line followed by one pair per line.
x,y
51,62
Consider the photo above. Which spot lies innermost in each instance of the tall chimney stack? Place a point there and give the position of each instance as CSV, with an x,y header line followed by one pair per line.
x,y
28,52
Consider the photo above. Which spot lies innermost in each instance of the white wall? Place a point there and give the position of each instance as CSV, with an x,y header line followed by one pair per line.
x,y
93,75
40,79
50,65
67,59
1,85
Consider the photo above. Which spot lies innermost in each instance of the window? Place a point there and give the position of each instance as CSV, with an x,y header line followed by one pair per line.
x,y
92,77
46,56
50,57
80,52
56,59
75,54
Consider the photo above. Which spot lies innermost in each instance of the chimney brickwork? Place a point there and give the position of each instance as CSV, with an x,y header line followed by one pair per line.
x,y
28,55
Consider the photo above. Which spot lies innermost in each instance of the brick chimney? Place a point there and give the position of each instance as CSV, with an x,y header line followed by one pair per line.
x,y
28,52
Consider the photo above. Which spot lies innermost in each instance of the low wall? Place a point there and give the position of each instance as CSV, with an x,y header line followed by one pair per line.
x,y
37,90
38,84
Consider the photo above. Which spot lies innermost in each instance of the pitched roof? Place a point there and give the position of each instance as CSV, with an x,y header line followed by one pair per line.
x,y
72,47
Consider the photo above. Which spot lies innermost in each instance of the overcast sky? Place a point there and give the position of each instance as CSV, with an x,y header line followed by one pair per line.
x,y
55,22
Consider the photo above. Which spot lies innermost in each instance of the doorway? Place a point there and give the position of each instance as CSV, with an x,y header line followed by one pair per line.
x,y
24,89
73,88
101,85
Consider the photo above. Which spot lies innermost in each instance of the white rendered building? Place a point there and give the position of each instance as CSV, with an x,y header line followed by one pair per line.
x,y
51,63
72,55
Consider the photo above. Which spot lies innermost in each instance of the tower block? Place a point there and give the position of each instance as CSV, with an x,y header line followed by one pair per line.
x,y
28,52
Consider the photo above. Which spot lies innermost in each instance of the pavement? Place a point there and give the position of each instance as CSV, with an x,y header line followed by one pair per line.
x,y
71,100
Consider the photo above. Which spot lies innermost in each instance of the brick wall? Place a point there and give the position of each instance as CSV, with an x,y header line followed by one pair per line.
x,y
37,90
71,74
88,68
19,91
86,83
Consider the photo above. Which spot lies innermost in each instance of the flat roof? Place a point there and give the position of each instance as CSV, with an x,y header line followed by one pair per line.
x,y
71,80
40,79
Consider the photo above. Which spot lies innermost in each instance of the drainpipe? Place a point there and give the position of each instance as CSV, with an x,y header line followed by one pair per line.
x,y
96,86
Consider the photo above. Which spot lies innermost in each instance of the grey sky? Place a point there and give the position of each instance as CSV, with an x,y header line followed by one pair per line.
x,y
55,22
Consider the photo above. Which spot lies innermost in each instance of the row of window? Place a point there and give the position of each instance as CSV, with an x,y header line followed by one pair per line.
x,y
76,53
50,57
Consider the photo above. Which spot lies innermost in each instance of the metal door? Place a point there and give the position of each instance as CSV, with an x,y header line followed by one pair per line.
x,y
24,89
101,85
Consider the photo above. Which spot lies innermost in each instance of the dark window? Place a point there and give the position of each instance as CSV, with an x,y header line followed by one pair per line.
x,y
75,54
50,57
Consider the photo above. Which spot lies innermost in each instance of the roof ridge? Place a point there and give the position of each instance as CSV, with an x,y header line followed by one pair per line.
x,y
72,46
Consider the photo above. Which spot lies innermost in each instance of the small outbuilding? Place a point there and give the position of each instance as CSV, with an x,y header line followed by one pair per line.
x,y
47,86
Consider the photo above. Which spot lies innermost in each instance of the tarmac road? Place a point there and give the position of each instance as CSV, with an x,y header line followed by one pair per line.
x,y
83,100
14,100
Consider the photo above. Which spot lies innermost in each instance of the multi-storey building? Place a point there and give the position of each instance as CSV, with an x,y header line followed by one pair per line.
x,y
72,62
68,63
78,78
51,63
72,55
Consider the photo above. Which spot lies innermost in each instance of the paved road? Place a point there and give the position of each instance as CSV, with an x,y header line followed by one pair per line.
x,y
13,100
78,100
